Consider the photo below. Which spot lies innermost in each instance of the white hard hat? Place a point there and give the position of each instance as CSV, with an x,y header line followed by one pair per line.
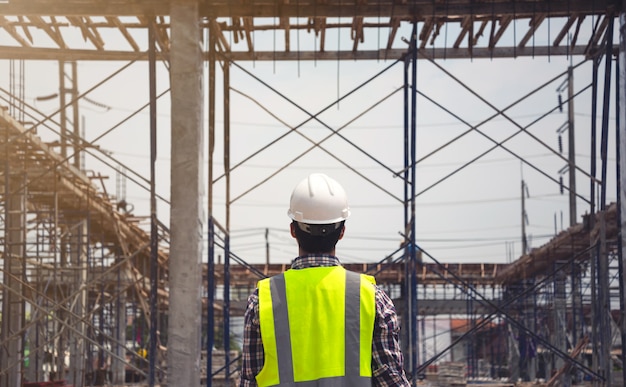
x,y
318,199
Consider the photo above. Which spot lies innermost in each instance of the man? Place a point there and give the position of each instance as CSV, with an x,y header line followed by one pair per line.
x,y
318,324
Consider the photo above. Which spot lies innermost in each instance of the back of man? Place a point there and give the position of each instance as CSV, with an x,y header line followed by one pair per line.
x,y
318,324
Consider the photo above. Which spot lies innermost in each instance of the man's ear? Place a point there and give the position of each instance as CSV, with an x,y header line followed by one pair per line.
x,y
292,229
343,229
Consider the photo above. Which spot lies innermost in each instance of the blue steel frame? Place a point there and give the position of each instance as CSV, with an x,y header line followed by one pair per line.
x,y
411,248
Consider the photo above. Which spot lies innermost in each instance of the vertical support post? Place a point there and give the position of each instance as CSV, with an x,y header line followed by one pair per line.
x,y
226,71
577,309
409,341
621,183
470,340
154,245
595,331
78,251
117,366
210,301
435,350
413,247
527,362
101,314
571,145
608,60
267,248
69,139
11,351
524,240
62,314
423,328
211,258
512,344
592,196
560,323
530,323
62,110
36,353
604,308
76,137
186,218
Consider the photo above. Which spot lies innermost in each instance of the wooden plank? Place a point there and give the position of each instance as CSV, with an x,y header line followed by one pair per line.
x,y
88,32
504,23
115,21
466,25
12,31
564,30
535,22
394,25
52,29
248,25
425,32
480,32
220,38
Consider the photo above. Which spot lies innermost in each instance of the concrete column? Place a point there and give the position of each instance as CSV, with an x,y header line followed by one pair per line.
x,y
186,214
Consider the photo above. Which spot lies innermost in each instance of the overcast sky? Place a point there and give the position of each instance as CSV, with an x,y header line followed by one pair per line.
x,y
468,190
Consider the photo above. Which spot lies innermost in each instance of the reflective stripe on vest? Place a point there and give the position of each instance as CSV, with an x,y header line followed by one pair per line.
x,y
295,354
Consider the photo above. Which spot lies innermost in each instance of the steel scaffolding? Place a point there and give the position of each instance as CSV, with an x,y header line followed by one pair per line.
x,y
87,289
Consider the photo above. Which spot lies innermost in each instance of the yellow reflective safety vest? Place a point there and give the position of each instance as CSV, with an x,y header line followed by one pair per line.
x,y
317,326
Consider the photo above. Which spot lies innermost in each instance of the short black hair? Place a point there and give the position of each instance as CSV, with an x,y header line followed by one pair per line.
x,y
318,242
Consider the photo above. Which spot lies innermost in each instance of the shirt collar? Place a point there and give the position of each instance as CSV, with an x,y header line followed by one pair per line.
x,y
315,260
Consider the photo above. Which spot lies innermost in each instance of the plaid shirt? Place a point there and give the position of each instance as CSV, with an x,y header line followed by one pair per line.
x,y
387,368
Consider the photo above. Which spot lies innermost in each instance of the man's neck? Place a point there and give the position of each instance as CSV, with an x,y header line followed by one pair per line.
x,y
302,253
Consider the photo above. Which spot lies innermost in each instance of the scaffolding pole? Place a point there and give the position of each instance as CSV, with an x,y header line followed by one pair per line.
x,y
621,180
